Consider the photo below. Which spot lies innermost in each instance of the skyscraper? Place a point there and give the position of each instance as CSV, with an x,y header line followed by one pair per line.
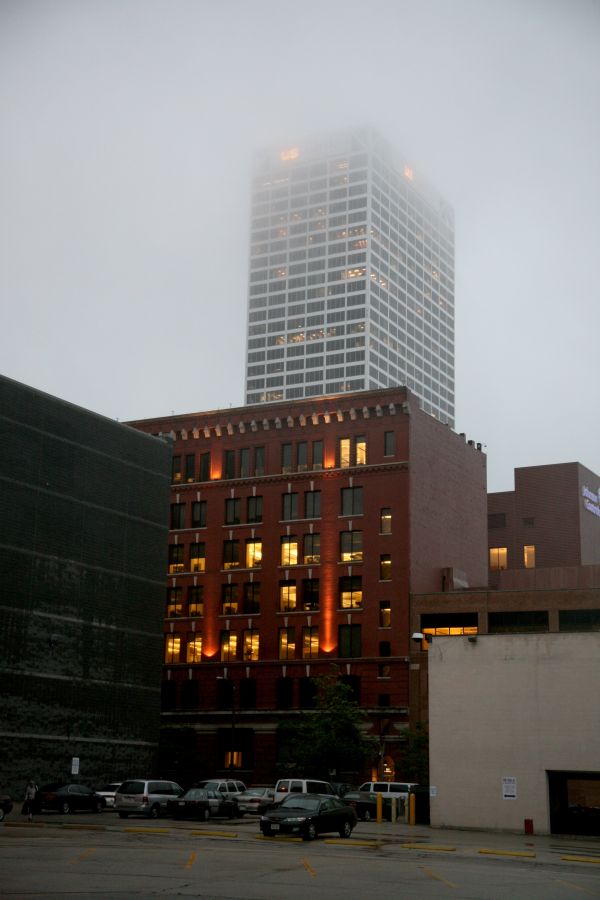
x,y
351,283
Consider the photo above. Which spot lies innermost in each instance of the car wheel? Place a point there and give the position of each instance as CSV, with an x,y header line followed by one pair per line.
x,y
346,830
366,816
123,815
65,808
310,832
155,811
1,814
205,815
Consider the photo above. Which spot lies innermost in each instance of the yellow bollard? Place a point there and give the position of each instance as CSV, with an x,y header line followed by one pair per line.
x,y
379,807
411,809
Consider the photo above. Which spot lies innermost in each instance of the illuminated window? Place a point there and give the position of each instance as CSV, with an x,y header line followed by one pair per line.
x,y
310,642
287,643
360,445
176,469
194,648
289,506
229,599
250,644
389,443
255,507
172,648
175,558
385,521
199,514
196,600
251,597
174,601
312,549
289,550
231,554
529,556
350,592
198,557
385,614
233,506
312,504
385,567
177,515
344,453
351,546
310,593
498,558
232,759
349,641
253,553
287,596
449,624
228,646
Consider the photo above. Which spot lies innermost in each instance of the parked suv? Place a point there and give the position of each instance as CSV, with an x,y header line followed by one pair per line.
x,y
225,787
142,797
287,786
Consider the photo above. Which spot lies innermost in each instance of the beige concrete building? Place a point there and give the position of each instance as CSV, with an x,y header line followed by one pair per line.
x,y
515,731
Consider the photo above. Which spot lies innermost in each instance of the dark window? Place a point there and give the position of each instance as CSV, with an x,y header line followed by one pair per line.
x,y
289,506
517,621
353,682
177,515
199,513
385,567
174,601
389,443
312,504
224,693
190,464
259,461
496,520
579,620
198,557
308,693
385,648
245,463
176,469
255,509
351,546
302,456
196,600
384,700
248,693
175,558
286,457
229,464
251,597
352,501
528,522
284,693
317,454
190,694
233,506
310,593
349,641
229,599
231,554
168,694
312,549
204,467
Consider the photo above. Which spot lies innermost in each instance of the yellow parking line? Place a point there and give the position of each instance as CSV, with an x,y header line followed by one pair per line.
x,y
225,834
308,868
524,853
147,830
85,855
278,837
344,842
431,874
441,849
191,860
585,859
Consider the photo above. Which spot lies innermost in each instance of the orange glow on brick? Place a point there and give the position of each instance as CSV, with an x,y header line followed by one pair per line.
x,y
328,636
215,469
329,459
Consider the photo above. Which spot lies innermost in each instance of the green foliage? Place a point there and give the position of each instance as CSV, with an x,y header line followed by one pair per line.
x,y
328,739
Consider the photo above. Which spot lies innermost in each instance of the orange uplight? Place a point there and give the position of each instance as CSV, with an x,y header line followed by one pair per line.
x,y
215,469
291,153
329,460
328,598
408,173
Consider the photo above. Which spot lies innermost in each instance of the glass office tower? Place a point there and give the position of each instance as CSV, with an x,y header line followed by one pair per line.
x,y
351,282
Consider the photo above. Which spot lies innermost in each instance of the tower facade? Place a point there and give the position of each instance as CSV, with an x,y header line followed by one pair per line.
x,y
351,281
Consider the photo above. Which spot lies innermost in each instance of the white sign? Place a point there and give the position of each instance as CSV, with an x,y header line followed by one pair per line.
x,y
432,790
591,500
75,766
509,788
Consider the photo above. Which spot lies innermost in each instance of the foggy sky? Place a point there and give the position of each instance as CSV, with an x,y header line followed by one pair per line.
x,y
127,131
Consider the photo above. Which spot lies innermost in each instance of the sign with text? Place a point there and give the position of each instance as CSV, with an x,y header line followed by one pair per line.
x,y
75,765
509,788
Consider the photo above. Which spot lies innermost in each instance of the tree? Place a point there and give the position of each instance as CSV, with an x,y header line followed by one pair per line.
x,y
328,739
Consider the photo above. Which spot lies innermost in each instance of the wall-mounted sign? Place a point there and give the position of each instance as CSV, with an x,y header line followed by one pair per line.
x,y
75,765
509,788
591,500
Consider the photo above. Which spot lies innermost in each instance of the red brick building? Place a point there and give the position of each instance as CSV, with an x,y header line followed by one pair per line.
x,y
298,531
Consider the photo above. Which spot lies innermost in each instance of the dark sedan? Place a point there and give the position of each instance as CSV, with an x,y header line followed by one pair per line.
x,y
66,798
365,805
198,803
309,815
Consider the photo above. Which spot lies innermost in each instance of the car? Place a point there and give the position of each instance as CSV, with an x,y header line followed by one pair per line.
x,y
225,787
67,798
398,789
365,805
107,791
309,815
5,805
255,800
198,803
145,797
287,786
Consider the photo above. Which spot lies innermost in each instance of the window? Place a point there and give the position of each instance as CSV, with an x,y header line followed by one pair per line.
x,y
344,453
286,457
579,620
259,461
350,592
389,443
310,593
177,515
229,464
312,549
255,506
194,648
253,553
307,693
385,521
245,463
176,469
190,694
174,601
384,670
317,454
517,621
352,451
228,646
529,556
498,558
496,520
284,691
231,554
204,467
349,641
172,648
247,701
197,557
250,644
385,567
360,448
351,546
175,558
449,624
229,599
287,596
287,643
385,614
190,464
289,550
302,456
312,504
352,501
385,648
252,597
310,642
289,506
232,511
199,514
196,600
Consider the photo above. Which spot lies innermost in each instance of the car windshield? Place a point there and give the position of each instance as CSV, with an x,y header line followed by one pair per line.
x,y
51,787
195,794
298,801
131,787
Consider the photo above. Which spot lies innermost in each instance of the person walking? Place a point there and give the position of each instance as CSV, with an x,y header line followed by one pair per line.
x,y
30,792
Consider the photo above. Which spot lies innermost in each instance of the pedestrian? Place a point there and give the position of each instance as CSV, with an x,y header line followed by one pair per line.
x,y
28,805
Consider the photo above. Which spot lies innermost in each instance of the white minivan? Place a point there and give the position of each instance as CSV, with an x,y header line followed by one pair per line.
x,y
389,789
287,786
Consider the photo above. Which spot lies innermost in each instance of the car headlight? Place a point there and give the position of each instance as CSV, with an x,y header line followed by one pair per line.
x,y
295,819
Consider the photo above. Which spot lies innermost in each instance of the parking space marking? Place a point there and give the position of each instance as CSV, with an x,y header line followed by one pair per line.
x,y
147,830
431,874
309,868
583,859
437,848
82,856
223,834
526,854
345,842
191,860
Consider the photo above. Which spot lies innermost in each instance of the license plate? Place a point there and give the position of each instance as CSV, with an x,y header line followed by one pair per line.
x,y
274,827
181,803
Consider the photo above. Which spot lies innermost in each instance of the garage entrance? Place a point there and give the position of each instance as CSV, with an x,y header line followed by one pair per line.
x,y
574,802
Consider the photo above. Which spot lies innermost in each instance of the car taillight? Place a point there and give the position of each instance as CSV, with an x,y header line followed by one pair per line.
x,y
144,799
50,796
